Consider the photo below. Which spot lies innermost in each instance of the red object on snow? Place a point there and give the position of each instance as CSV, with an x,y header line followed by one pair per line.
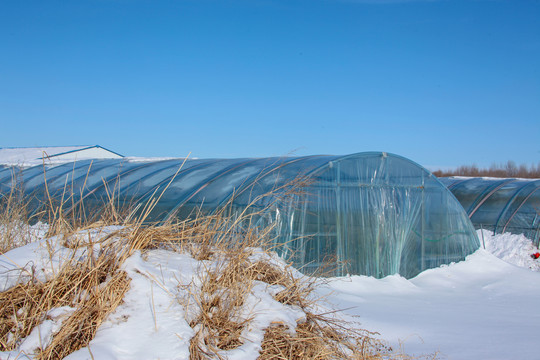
x,y
536,255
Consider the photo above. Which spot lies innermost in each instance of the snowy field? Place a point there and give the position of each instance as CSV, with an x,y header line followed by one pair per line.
x,y
483,308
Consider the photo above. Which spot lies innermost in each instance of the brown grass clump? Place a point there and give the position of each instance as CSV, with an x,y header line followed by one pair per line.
x,y
93,287
219,327
318,336
89,282
226,281
218,300
79,329
321,338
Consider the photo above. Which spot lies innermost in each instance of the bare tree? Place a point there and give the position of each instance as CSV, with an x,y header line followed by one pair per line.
x,y
506,170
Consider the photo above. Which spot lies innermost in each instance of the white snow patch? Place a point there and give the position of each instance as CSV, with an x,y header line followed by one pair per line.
x,y
22,233
41,336
515,249
485,307
481,308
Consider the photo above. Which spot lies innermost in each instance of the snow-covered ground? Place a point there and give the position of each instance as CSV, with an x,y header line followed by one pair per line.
x,y
483,308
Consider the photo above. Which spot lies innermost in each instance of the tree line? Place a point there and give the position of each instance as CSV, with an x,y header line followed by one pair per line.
x,y
507,170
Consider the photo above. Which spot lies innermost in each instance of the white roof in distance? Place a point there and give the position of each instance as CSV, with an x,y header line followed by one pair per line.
x,y
30,156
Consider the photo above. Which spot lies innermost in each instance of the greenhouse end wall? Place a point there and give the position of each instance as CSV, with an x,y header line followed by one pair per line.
x,y
372,214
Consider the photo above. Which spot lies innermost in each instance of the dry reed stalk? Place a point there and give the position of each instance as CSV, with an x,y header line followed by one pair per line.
x,y
319,338
14,217
224,288
94,284
223,292
219,300
94,287
278,343
15,320
79,329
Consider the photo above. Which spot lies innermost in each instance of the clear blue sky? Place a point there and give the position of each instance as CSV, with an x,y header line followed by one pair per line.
x,y
443,83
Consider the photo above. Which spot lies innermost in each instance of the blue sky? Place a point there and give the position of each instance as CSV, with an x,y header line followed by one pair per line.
x,y
443,83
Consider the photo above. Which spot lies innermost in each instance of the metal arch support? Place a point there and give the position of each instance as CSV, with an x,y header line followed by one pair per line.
x,y
458,182
149,193
17,173
8,173
123,191
246,183
106,182
519,207
507,206
489,195
47,181
66,171
203,184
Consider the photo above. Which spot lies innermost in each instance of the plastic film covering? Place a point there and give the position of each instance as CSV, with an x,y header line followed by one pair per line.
x,y
500,205
372,214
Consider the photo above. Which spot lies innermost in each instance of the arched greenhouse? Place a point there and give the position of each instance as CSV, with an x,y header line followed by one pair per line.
x,y
500,205
372,213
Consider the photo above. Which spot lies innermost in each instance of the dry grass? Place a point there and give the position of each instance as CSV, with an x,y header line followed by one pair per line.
x,y
315,339
227,278
89,282
226,246
93,287
79,329
14,217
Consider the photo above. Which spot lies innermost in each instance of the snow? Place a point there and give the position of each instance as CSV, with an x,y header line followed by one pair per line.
x,y
58,155
485,307
150,323
481,308
42,334
42,257
22,233
32,156
515,249
150,159
16,156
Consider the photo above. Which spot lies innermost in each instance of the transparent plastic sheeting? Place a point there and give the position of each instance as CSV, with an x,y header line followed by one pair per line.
x,y
500,205
370,213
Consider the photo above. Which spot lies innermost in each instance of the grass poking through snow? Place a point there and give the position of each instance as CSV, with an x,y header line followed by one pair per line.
x,y
235,261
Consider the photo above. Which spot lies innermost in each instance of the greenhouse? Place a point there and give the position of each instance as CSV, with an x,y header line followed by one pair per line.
x,y
372,214
500,205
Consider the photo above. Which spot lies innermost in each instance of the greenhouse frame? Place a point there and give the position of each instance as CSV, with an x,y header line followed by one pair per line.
x,y
500,205
374,214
